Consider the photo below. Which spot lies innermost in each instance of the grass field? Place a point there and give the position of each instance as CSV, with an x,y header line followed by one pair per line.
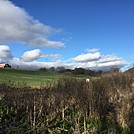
x,y
33,78
30,78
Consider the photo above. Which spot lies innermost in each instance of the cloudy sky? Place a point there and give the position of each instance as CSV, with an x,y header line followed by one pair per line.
x,y
94,34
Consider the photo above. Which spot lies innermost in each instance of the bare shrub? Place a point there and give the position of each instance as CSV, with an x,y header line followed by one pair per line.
x,y
120,93
103,105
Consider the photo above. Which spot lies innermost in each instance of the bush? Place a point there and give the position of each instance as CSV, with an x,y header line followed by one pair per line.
x,y
103,105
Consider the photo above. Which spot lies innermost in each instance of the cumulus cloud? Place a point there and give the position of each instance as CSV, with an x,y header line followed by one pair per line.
x,y
32,55
93,65
109,58
96,61
117,63
108,61
29,60
93,50
87,57
18,26
55,57
93,61
5,54
16,62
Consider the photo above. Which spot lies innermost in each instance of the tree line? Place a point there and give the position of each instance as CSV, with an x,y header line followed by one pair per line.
x,y
78,71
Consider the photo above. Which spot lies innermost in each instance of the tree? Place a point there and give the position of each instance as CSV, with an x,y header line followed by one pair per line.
x,y
79,71
115,69
43,69
52,69
60,69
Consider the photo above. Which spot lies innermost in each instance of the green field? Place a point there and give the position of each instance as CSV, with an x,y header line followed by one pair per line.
x,y
34,78
29,77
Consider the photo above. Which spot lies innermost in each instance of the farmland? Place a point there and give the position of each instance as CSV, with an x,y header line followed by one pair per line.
x,y
30,78
33,78
71,105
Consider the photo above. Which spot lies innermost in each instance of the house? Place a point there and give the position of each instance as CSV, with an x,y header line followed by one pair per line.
x,y
5,66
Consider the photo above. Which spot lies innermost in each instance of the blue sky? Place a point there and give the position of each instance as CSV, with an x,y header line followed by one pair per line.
x,y
95,34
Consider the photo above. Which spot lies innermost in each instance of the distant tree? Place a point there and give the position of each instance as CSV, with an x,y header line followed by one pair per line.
x,y
7,66
79,71
52,69
115,69
99,72
17,67
43,69
60,69
67,71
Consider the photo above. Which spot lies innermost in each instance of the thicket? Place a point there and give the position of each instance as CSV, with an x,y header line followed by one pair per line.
x,y
71,106
76,71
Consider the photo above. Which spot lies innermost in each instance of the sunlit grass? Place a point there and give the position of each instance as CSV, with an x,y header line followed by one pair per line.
x,y
31,78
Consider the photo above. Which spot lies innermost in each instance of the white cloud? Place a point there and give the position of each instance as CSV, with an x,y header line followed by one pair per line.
x,y
92,50
108,58
109,61
55,57
86,57
94,61
18,26
32,55
42,42
93,65
5,54
33,65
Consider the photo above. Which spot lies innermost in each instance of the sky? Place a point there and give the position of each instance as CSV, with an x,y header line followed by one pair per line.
x,y
92,34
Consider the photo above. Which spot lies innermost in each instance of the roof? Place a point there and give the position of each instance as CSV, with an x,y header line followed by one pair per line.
x,y
2,64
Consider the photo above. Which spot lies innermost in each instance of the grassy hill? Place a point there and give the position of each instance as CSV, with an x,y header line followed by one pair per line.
x,y
29,77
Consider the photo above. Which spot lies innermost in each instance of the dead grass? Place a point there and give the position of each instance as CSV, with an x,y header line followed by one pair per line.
x,y
101,105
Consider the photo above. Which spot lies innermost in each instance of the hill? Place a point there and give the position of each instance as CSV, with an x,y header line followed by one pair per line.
x,y
130,71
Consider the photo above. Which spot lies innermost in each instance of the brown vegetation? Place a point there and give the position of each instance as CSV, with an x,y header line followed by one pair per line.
x,y
103,105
